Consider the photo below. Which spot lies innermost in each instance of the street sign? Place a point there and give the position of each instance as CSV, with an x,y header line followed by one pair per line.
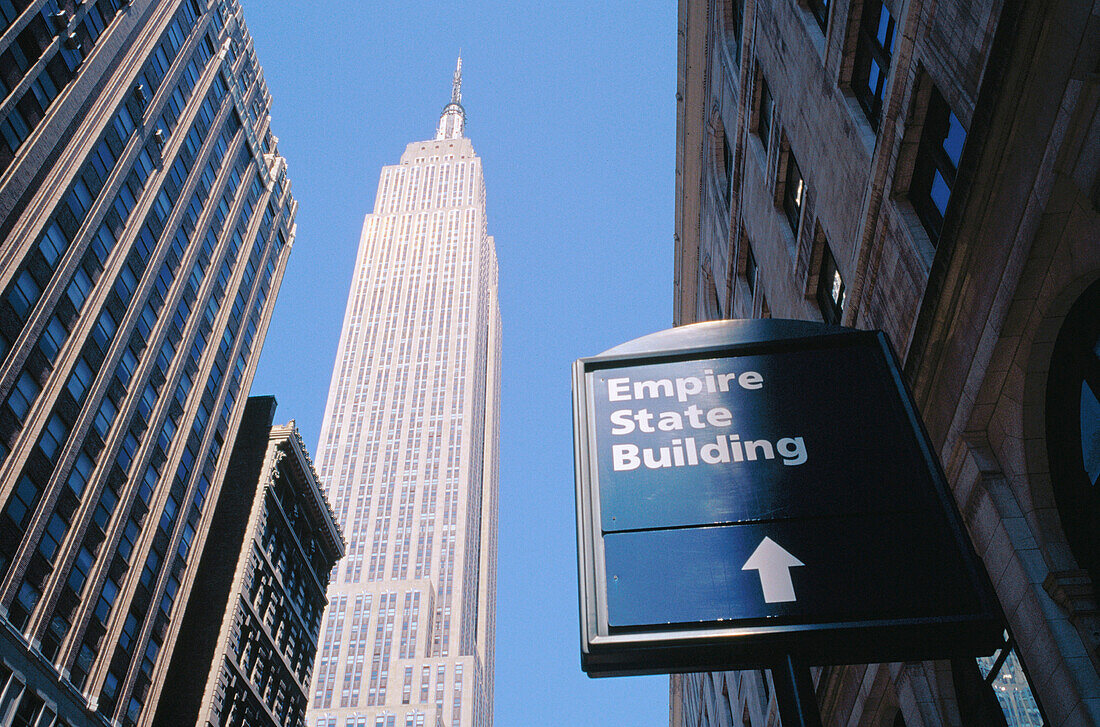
x,y
748,489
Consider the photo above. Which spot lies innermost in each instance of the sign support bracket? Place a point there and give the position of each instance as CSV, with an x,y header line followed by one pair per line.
x,y
794,694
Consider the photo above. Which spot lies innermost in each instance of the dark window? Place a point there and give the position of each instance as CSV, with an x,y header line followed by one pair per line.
x,y
736,25
53,437
937,163
82,376
1073,428
23,395
29,709
78,289
767,107
750,271
105,417
14,129
874,48
727,165
820,9
9,11
24,294
22,501
794,191
53,338
830,288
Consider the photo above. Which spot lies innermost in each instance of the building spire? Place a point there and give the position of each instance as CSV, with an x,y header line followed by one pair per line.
x,y
456,84
453,119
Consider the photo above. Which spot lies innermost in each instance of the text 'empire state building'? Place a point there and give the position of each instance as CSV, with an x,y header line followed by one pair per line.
x,y
408,452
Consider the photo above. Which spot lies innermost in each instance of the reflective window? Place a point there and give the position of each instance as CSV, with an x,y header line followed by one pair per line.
x,y
830,288
874,48
937,163
1005,676
794,192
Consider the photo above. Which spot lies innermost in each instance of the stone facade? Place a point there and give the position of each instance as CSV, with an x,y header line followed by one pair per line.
x,y
250,632
972,293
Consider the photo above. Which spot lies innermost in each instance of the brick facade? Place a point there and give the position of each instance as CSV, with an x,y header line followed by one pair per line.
x,y
973,308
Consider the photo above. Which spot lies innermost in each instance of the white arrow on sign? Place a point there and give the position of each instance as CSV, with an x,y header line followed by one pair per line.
x,y
774,564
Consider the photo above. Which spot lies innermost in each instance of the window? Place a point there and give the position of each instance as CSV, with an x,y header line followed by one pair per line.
x,y
104,417
1073,428
820,9
53,243
14,129
24,293
794,190
29,710
937,163
22,501
750,270
735,26
1006,685
53,338
23,395
830,288
82,376
874,48
727,165
53,436
78,288
766,109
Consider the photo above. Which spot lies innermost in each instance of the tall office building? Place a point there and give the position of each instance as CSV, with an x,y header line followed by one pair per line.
x,y
145,221
408,452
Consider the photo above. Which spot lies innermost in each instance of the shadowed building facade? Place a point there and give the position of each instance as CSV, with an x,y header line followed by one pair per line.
x,y
145,223
408,453
929,169
249,635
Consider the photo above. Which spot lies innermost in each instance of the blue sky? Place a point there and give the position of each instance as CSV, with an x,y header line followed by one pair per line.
x,y
571,106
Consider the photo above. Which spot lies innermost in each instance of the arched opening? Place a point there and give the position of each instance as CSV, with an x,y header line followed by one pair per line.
x,y
1073,428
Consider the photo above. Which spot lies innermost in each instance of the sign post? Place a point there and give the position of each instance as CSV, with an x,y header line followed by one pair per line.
x,y
762,493
794,694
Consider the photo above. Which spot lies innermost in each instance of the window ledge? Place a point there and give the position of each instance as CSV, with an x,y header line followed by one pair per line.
x,y
860,123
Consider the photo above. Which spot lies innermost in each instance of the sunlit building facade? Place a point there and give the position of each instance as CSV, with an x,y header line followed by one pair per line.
x,y
145,223
408,453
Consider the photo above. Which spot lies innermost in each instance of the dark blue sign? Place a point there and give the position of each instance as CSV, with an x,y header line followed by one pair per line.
x,y
774,483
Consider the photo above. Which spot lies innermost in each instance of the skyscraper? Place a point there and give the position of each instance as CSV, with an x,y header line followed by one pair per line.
x,y
408,452
145,222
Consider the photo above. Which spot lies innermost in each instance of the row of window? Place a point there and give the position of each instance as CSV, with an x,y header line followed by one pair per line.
x,y
158,554
97,347
145,404
36,38
38,267
935,166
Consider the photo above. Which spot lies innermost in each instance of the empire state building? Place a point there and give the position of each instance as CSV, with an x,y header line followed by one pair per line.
x,y
408,452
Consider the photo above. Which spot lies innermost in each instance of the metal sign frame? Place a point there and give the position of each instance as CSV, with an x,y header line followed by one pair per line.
x,y
755,643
